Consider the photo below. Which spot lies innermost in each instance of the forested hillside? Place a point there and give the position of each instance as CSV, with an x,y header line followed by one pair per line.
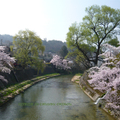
x,y
53,46
6,39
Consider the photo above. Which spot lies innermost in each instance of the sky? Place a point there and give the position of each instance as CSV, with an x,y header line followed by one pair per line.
x,y
49,19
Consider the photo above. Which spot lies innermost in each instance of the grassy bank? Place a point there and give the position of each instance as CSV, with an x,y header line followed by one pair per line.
x,y
79,74
10,92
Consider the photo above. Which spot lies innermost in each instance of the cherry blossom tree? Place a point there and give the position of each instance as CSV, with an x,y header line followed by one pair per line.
x,y
5,62
107,76
60,63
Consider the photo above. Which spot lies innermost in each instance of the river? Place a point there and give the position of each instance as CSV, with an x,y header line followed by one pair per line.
x,y
53,99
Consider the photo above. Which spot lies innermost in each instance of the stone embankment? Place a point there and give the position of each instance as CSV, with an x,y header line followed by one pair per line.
x,y
86,88
81,80
76,79
92,94
11,92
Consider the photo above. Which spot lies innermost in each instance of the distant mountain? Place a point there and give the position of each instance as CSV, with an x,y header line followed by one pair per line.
x,y
53,46
6,39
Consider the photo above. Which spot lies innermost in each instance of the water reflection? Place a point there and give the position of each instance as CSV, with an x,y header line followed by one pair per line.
x,y
54,99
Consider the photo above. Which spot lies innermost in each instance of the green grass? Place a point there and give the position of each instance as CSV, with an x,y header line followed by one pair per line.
x,y
79,74
20,86
109,111
47,75
76,80
52,74
84,88
1,102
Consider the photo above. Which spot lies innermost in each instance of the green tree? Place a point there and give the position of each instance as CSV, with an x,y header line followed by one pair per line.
x,y
99,26
114,42
63,51
27,47
40,66
79,58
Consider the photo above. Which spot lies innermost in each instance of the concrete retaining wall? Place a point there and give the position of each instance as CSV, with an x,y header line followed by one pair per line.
x,y
18,76
93,94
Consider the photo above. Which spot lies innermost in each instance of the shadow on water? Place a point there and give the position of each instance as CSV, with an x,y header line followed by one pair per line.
x,y
54,99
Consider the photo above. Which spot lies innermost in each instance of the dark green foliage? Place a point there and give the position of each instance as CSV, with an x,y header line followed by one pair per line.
x,y
63,51
53,46
114,42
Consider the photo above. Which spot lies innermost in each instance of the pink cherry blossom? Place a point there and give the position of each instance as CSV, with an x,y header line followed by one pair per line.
x,y
107,76
60,63
5,59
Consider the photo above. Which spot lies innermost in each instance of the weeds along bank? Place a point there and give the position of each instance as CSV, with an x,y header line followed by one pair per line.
x,y
11,92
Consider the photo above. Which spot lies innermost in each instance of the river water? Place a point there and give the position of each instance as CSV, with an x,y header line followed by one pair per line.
x,y
53,99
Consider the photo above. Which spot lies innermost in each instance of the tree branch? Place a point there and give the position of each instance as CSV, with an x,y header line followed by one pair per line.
x,y
82,51
109,31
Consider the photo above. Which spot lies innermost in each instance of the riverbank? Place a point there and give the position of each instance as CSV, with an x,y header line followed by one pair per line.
x,y
93,95
11,92
76,79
